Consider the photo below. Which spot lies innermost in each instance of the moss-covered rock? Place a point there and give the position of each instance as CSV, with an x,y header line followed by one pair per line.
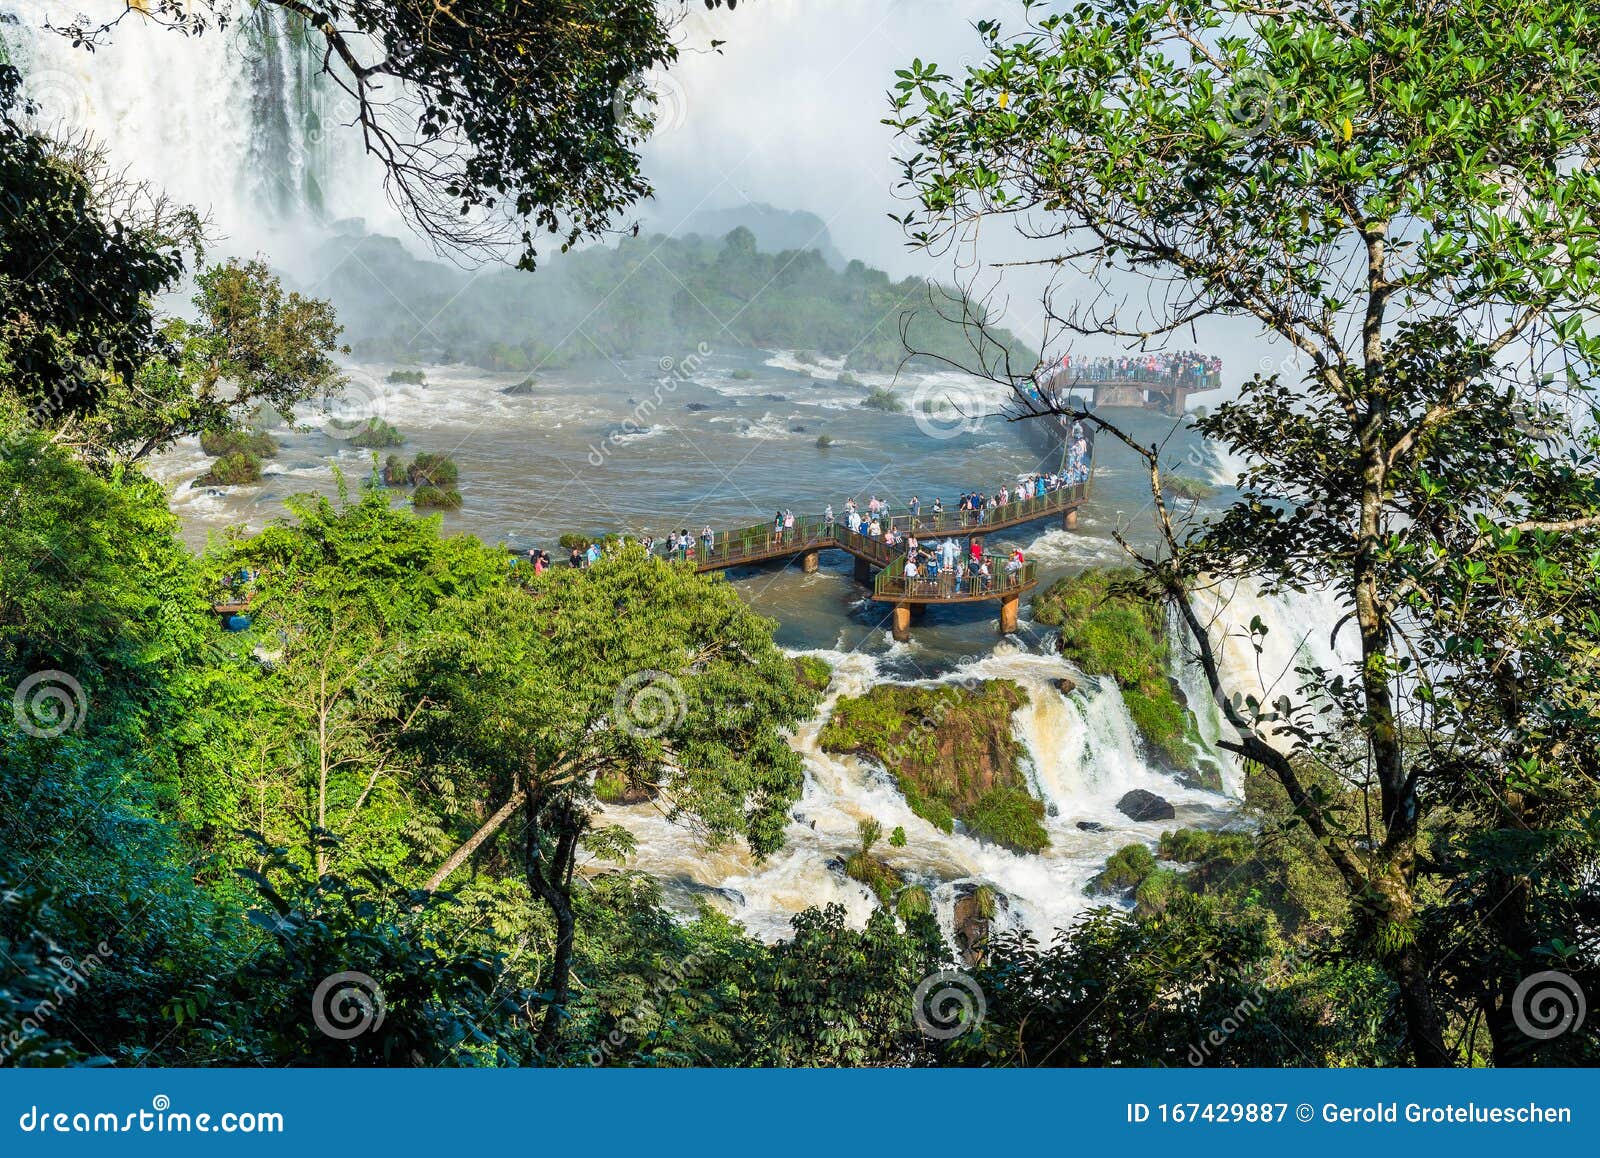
x,y
952,751
813,672
1112,625
1125,870
240,468
618,788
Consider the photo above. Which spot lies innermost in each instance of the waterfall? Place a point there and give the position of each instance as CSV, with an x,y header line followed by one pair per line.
x,y
1083,755
238,122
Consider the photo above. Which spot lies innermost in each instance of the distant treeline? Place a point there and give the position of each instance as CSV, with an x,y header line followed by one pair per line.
x,y
649,296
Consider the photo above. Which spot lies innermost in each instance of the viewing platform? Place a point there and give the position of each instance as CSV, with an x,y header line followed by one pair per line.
x,y
883,566
1160,390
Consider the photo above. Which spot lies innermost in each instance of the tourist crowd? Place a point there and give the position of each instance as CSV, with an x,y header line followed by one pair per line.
x,y
896,532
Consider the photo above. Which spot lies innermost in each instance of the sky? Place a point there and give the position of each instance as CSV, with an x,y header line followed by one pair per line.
x,y
789,113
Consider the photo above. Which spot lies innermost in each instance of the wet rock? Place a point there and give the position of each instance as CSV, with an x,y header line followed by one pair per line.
x,y
1143,806
524,388
836,865
1178,693
696,407
1066,686
1205,775
776,397
1051,810
1091,826
976,908
797,428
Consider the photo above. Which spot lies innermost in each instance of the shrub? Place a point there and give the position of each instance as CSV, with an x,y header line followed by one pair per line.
x,y
881,399
572,541
429,497
438,469
823,442
375,434
408,377
232,470
897,838
742,375
396,471
1010,817
913,902
220,443
849,379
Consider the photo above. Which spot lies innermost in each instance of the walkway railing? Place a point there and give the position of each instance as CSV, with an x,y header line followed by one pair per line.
x,y
892,582
814,532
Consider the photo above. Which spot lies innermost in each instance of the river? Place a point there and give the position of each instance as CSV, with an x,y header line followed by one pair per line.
x,y
726,438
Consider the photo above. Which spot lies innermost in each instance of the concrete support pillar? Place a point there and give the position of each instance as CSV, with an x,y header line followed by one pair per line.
x,y
1070,519
808,561
902,622
1008,613
863,571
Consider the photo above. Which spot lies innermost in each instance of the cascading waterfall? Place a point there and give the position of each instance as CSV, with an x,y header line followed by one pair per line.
x,y
1084,757
238,122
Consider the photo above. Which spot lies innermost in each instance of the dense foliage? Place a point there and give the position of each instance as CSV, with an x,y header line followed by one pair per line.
x,y
1406,197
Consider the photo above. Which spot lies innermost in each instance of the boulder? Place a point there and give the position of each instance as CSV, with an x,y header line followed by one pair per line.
x,y
696,407
1090,826
1066,686
1141,805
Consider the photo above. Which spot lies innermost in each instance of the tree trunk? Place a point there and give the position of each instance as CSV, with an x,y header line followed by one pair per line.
x,y
551,881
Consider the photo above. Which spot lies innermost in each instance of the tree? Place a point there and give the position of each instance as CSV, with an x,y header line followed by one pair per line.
x,y
633,672
82,256
1407,197
500,121
251,346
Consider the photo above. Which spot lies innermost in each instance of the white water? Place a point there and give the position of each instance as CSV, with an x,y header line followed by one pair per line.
x,y
1084,758
235,124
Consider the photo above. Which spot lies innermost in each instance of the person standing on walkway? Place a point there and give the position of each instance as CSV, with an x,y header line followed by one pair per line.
x,y
788,525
